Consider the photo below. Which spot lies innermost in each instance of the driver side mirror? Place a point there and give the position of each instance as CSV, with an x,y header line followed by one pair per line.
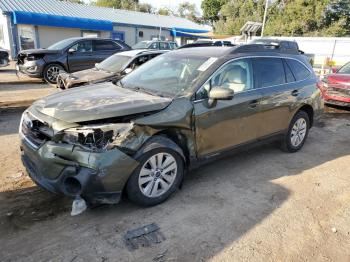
x,y
334,70
71,50
128,71
219,93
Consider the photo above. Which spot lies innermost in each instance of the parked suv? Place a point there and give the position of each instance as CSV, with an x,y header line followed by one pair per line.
x,y
113,68
70,55
169,115
155,44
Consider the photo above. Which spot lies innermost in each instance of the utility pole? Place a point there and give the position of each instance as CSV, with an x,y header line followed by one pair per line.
x,y
264,19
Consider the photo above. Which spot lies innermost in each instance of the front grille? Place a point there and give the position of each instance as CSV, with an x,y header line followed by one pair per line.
x,y
35,131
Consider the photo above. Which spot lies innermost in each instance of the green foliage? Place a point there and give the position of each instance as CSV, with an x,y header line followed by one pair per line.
x,y
211,9
146,8
188,11
118,4
74,1
284,17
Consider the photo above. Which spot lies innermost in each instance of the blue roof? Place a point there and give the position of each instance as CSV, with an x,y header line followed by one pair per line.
x,y
69,9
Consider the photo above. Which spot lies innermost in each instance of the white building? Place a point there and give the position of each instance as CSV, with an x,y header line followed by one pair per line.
x,y
26,24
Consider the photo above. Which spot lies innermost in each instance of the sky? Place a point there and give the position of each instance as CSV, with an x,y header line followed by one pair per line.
x,y
172,4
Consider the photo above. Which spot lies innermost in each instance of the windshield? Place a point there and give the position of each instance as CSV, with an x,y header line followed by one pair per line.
x,y
114,63
141,45
345,69
61,44
168,75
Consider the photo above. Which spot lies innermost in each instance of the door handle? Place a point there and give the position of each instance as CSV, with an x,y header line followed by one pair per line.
x,y
295,92
253,103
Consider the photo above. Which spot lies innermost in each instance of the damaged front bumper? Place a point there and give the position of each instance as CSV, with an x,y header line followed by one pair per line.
x,y
72,171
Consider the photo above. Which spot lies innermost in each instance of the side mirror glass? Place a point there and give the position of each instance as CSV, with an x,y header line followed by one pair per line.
x,y
128,70
71,50
220,93
96,65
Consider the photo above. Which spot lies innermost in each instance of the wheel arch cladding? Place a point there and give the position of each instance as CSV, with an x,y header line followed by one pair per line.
x,y
310,111
159,141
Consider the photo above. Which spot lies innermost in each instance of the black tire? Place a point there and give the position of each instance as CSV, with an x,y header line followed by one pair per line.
x,y
50,76
133,190
287,144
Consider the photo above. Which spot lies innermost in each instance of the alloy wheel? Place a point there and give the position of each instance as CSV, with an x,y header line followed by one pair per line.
x,y
157,175
52,73
298,132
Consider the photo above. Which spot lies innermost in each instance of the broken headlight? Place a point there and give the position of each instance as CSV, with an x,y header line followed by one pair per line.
x,y
97,137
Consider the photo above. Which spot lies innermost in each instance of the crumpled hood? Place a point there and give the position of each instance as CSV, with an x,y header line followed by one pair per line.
x,y
91,75
96,102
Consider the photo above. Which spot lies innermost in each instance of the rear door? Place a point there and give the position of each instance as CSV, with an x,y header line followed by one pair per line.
x,y
103,49
277,85
80,56
227,123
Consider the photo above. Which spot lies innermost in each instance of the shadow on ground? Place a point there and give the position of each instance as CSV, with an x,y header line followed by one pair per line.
x,y
217,205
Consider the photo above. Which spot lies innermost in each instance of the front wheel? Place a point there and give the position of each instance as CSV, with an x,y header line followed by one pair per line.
x,y
51,73
158,175
297,132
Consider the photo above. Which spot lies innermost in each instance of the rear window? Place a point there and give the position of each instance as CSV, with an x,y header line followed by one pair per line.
x,y
105,46
268,72
300,72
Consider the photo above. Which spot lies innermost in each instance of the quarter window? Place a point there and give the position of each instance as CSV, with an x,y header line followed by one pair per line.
x,y
300,71
268,72
105,46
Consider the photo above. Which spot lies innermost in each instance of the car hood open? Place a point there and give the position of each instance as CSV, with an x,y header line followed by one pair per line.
x,y
100,101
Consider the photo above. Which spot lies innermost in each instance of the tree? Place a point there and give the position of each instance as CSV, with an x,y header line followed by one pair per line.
x,y
211,9
164,11
188,11
118,4
146,8
74,1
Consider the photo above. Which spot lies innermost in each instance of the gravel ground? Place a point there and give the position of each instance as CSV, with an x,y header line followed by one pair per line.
x,y
258,205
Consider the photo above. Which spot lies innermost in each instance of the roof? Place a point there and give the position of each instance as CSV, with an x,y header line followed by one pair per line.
x,y
210,51
66,8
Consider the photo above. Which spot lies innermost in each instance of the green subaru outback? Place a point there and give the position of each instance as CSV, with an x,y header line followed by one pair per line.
x,y
142,134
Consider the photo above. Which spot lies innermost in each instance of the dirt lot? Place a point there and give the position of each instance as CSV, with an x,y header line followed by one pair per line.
x,y
259,205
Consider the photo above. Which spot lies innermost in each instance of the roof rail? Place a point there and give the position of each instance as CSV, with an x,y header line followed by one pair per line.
x,y
248,48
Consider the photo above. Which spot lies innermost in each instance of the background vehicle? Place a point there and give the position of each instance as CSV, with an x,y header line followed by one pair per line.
x,y
336,87
202,43
111,69
4,57
70,55
156,44
171,114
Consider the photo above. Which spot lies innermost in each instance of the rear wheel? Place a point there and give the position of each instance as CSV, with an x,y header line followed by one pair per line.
x,y
297,132
51,73
158,175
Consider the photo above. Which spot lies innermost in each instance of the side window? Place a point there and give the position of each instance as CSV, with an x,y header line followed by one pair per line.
x,y
104,45
154,45
164,46
289,75
268,72
236,75
299,70
140,60
82,46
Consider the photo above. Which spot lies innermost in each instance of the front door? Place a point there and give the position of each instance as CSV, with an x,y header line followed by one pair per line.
x,y
227,123
80,56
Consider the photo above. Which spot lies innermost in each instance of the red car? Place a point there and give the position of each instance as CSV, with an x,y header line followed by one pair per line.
x,y
336,87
